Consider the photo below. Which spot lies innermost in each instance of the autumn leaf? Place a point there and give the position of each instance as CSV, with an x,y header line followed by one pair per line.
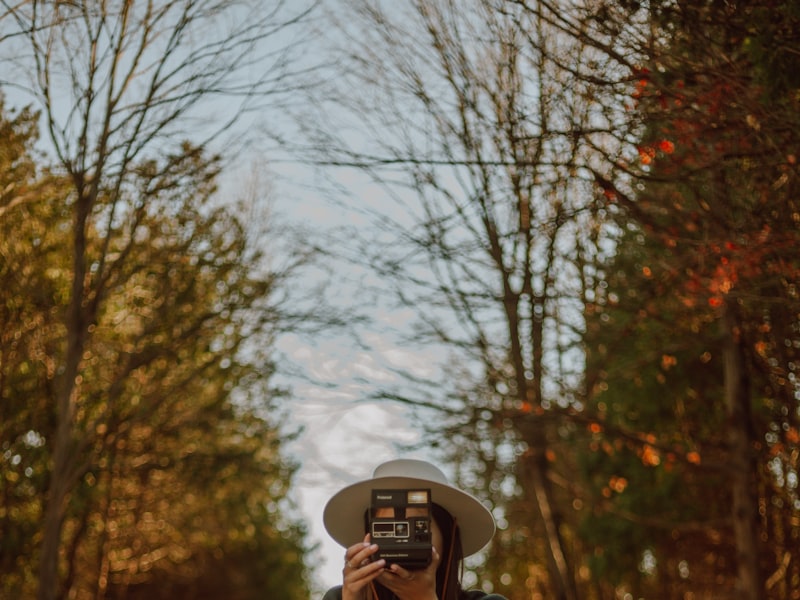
x,y
650,456
666,146
793,436
668,361
646,154
618,484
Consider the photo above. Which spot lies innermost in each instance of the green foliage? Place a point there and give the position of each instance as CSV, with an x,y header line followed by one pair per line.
x,y
712,228
660,421
769,43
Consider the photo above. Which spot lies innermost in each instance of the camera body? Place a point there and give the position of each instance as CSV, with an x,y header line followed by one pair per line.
x,y
400,524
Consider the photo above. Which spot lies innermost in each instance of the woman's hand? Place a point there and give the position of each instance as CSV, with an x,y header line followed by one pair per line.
x,y
412,585
359,571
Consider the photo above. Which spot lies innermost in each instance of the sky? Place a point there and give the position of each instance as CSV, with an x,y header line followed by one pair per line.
x,y
344,437
331,374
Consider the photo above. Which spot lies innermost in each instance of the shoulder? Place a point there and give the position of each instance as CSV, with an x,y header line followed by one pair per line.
x,y
479,595
335,593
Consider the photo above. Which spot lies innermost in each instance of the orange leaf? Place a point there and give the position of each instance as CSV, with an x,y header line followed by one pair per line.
x,y
646,154
793,436
668,361
650,456
666,146
618,484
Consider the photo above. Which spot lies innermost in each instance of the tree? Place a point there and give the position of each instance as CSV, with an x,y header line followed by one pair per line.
x,y
173,401
534,138
136,78
656,486
29,253
716,190
465,105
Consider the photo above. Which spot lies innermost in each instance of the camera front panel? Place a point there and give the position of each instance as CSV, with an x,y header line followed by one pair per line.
x,y
400,524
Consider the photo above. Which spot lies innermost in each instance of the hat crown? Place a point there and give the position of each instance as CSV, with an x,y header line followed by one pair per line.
x,y
407,467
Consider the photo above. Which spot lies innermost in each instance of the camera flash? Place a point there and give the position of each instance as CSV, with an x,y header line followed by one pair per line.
x,y
418,497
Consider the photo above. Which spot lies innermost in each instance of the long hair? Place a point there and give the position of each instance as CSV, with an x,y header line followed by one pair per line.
x,y
448,573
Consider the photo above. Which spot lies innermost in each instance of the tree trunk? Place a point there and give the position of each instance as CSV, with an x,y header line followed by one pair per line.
x,y
64,470
742,461
55,508
560,575
561,578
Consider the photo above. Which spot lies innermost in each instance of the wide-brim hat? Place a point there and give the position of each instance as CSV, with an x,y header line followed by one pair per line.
x,y
343,515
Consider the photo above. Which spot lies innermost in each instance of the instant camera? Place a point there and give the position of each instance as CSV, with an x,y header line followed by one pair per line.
x,y
403,529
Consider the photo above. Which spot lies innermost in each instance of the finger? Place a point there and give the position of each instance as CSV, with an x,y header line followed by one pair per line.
x,y
401,572
352,551
363,575
397,578
364,554
359,555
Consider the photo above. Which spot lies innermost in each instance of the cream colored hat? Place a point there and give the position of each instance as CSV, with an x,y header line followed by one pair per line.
x,y
343,515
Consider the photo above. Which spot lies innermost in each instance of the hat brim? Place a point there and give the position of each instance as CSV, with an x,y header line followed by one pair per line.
x,y
343,515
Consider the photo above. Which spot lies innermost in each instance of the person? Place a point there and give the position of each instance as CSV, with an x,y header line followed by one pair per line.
x,y
460,526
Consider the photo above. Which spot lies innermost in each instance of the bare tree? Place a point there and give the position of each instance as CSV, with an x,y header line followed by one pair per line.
x,y
479,112
120,84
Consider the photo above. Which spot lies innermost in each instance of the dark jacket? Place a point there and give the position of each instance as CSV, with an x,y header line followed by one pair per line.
x,y
335,593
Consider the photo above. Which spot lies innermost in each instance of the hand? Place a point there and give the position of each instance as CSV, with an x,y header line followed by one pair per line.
x,y
359,571
412,585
